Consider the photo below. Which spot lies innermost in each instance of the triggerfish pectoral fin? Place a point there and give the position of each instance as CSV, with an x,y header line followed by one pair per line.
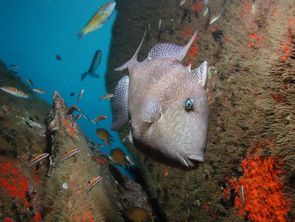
x,y
120,104
133,61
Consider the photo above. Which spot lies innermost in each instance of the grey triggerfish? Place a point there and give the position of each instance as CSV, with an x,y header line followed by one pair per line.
x,y
167,104
94,64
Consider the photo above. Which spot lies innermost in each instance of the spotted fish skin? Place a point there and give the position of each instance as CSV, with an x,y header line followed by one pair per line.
x,y
168,106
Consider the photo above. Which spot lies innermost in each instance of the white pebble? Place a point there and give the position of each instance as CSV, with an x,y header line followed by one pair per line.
x,y
65,186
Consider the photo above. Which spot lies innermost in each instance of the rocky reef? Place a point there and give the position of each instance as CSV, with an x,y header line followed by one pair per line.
x,y
248,172
49,171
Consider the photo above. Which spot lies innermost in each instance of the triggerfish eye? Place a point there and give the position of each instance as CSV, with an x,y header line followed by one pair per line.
x,y
189,105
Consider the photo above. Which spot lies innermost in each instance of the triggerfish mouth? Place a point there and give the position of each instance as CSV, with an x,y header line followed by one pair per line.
x,y
167,104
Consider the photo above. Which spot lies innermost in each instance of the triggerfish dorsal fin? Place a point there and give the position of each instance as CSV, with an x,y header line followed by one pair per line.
x,y
171,50
201,73
165,50
120,104
133,61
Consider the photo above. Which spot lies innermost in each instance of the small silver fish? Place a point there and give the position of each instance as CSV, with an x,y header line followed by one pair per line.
x,y
182,2
85,116
169,117
94,64
40,91
206,10
107,96
80,95
214,19
242,195
30,82
160,24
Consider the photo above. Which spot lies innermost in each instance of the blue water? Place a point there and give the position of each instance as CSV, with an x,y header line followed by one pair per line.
x,y
33,32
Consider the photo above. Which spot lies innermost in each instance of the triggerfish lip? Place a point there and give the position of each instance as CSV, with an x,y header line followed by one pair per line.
x,y
198,158
177,160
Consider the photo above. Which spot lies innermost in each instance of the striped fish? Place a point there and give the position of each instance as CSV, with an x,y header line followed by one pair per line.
x,y
69,154
93,182
38,158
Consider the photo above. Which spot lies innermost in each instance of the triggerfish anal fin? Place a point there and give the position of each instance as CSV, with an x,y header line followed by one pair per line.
x,y
171,50
120,104
201,73
133,61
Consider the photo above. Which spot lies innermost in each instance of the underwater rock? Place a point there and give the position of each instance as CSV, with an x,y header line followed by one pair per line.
x,y
251,94
22,137
72,165
50,171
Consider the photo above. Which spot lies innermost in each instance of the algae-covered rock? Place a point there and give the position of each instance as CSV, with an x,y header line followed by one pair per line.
x,y
73,194
49,171
22,137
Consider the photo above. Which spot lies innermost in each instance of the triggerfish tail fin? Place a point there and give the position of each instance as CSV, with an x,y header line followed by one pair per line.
x,y
120,104
133,61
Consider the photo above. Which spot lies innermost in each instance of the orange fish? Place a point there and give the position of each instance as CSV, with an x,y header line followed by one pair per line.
x,y
69,154
93,182
165,171
99,118
104,135
119,157
138,214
